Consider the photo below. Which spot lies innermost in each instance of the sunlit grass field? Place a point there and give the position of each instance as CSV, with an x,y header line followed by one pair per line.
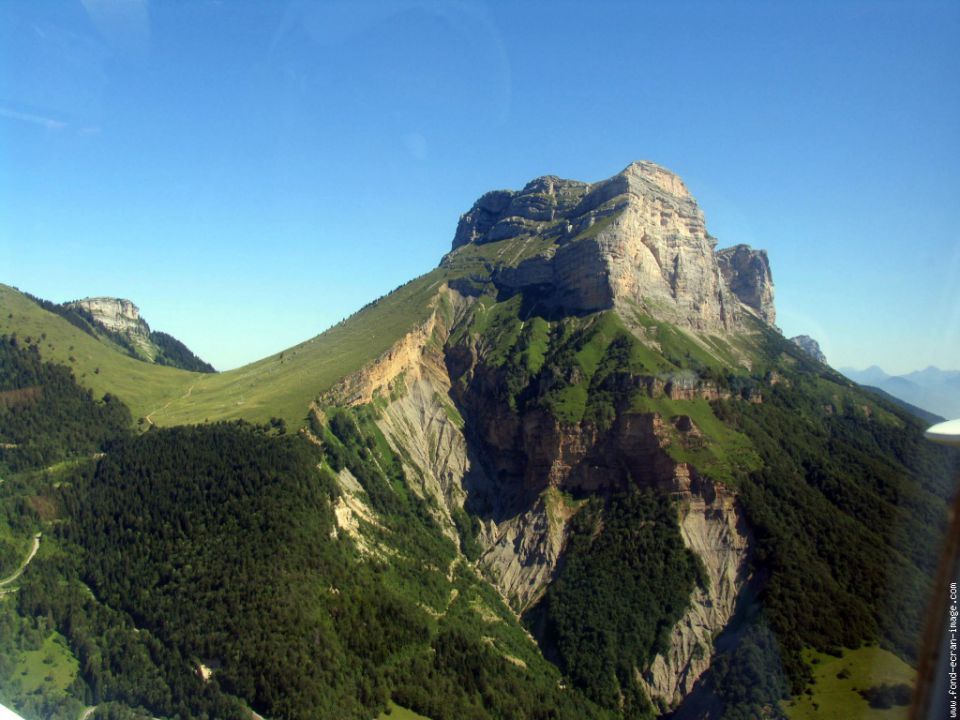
x,y
836,681
395,712
51,666
282,385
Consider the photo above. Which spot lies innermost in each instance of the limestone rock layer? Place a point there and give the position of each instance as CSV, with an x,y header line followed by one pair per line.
x,y
636,242
115,314
122,317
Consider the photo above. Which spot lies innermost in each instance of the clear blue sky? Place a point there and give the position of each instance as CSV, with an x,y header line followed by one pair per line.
x,y
251,172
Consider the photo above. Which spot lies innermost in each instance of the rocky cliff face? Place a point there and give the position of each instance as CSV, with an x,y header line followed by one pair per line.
x,y
713,527
635,241
114,314
119,316
635,244
747,272
810,346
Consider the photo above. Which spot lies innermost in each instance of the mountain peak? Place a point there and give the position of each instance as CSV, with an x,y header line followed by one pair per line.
x,y
651,172
810,346
636,241
747,273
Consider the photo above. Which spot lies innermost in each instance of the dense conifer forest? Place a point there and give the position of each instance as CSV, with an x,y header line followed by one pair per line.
x,y
847,515
45,417
626,581
215,547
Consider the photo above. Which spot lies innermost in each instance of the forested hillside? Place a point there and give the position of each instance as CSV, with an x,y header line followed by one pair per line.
x,y
215,548
844,500
45,416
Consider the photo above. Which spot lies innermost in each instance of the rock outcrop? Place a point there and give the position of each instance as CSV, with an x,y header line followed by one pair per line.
x,y
636,241
712,526
523,550
119,321
403,356
115,314
810,346
747,273
121,317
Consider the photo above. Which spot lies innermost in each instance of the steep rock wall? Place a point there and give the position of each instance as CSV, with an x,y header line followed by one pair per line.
x,y
122,317
712,526
747,273
411,385
511,469
404,356
523,551
114,314
635,241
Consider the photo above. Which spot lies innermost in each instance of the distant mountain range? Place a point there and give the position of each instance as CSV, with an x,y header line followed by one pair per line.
x,y
932,389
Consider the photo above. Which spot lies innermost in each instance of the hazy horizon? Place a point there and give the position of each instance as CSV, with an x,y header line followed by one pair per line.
x,y
249,175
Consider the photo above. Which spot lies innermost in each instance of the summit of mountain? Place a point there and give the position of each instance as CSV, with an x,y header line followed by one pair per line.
x,y
635,241
635,244
119,320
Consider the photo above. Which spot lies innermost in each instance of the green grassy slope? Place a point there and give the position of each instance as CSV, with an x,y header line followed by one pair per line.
x,y
834,696
144,387
281,385
395,712
52,664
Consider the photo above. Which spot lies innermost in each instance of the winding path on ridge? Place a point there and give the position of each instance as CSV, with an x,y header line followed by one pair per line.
x,y
23,565
170,402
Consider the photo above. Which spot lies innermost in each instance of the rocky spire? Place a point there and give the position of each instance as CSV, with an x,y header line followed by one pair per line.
x,y
747,272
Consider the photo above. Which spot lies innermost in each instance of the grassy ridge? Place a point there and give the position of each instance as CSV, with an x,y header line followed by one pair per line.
x,y
281,385
144,387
